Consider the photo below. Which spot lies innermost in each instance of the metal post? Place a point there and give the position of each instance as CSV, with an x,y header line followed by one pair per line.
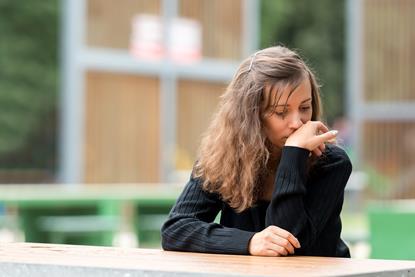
x,y
72,96
354,80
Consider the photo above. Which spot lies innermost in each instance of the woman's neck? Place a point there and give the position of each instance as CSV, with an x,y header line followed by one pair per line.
x,y
274,155
268,174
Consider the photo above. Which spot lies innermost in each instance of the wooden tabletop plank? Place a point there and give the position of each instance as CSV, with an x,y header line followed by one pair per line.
x,y
32,259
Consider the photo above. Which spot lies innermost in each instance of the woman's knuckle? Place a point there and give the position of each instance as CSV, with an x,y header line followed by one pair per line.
x,y
286,244
271,228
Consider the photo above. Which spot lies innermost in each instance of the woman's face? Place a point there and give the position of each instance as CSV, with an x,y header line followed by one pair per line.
x,y
289,114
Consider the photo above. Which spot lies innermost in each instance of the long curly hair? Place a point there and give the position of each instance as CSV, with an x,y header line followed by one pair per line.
x,y
234,148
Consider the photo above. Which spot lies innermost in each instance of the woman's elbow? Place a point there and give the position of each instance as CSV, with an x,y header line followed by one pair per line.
x,y
167,241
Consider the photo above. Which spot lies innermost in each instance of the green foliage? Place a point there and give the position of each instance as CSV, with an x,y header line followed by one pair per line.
x,y
317,30
28,81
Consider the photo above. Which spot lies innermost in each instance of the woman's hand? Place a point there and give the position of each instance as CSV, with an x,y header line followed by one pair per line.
x,y
311,136
273,241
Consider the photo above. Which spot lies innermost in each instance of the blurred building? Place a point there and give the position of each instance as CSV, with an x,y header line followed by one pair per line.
x,y
129,119
381,93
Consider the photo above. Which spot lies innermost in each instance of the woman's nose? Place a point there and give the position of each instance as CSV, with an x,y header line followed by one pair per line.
x,y
295,121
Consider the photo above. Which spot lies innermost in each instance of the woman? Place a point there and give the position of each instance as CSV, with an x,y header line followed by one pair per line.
x,y
268,165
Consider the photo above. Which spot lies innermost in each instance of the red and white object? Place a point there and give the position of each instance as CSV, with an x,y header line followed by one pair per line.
x,y
183,43
147,37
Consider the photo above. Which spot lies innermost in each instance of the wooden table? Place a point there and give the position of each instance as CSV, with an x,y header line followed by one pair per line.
x,y
30,259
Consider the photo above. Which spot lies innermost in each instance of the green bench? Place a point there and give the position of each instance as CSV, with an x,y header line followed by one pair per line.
x,y
392,229
83,224
90,215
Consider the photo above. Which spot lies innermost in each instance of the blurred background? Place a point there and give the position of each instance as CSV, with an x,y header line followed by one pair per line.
x,y
103,104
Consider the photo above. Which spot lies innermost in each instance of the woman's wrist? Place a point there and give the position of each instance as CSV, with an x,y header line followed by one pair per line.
x,y
294,144
294,157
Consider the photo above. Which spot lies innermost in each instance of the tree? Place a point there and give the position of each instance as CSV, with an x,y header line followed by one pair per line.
x,y
28,83
317,30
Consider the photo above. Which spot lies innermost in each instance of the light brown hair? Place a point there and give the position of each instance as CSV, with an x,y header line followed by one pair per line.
x,y
234,149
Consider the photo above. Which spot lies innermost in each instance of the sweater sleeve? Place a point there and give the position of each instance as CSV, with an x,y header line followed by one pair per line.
x,y
292,208
190,225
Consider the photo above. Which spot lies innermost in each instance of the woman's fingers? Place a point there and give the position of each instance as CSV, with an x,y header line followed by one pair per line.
x,y
310,136
273,241
327,136
286,235
284,243
321,127
271,253
318,151
278,249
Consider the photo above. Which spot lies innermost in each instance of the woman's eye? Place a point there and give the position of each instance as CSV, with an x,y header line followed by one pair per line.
x,y
305,109
281,114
